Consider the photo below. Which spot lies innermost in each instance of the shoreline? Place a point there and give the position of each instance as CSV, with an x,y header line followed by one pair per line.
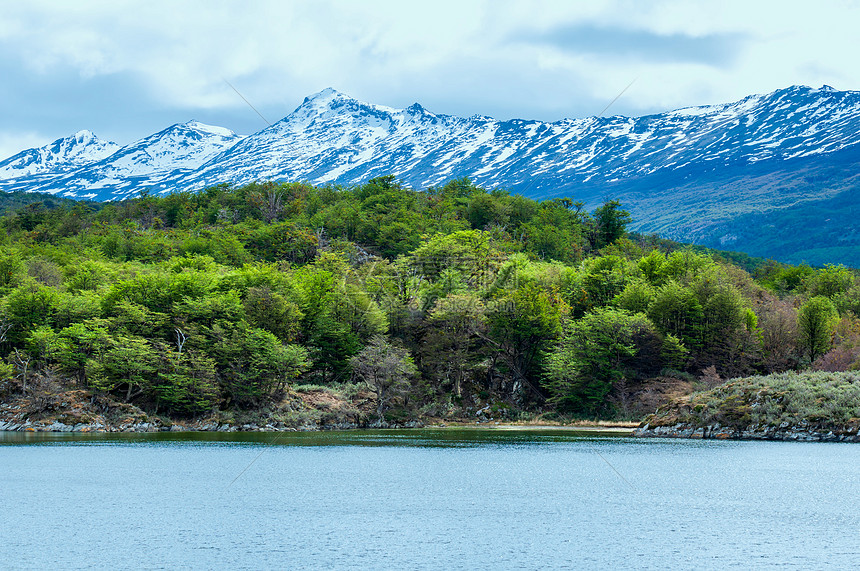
x,y
627,429
82,411
716,432
619,429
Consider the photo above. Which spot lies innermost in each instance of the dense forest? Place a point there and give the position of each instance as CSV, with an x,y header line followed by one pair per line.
x,y
436,301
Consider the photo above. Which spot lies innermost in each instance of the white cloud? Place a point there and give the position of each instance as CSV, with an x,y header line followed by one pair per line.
x,y
459,57
12,143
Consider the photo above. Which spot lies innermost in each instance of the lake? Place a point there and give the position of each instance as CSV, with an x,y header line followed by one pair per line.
x,y
424,499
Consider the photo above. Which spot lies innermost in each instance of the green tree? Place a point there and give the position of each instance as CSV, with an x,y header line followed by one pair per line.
x,y
610,223
129,361
596,353
816,321
254,363
29,306
330,340
450,343
79,347
636,297
12,268
675,309
521,326
604,278
187,383
271,311
830,282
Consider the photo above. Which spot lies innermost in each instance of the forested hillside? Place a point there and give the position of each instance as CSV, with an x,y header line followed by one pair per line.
x,y
438,302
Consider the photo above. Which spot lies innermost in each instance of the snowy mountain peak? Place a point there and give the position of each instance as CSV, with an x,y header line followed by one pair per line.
x,y
84,136
61,156
326,94
329,102
209,129
417,109
332,137
180,147
84,166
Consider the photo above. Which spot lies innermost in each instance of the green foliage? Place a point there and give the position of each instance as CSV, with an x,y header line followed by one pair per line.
x,y
677,310
830,282
610,223
783,279
522,324
283,242
254,363
12,269
596,353
129,361
450,348
269,310
673,352
187,303
636,297
75,348
189,384
815,400
386,369
603,279
28,306
816,320
88,275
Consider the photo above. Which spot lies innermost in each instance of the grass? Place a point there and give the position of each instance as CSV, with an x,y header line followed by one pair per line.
x,y
815,399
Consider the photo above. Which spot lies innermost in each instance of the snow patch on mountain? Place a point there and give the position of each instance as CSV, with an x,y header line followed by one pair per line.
x,y
142,165
333,138
63,155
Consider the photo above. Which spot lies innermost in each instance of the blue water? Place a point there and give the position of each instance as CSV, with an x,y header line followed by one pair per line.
x,y
424,499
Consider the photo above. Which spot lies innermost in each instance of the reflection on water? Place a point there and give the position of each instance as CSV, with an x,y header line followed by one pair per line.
x,y
423,499
427,437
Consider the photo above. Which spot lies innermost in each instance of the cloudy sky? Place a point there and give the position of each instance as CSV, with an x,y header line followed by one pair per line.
x,y
128,69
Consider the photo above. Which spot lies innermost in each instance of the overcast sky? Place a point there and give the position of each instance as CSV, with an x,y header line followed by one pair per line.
x,y
128,69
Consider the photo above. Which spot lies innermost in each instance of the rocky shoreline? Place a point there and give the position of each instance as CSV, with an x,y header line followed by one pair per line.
x,y
196,426
82,411
801,433
12,420
809,406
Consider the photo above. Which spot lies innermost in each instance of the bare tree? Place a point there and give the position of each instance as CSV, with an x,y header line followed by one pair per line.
x,y
5,326
385,368
710,377
21,361
270,201
181,339
779,335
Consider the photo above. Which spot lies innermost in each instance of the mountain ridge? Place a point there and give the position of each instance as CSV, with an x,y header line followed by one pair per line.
x,y
62,155
333,138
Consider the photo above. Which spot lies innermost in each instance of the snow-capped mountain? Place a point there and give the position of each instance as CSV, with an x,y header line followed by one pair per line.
x,y
63,155
170,153
734,175
332,137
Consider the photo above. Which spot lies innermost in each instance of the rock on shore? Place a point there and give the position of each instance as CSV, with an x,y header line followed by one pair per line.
x,y
81,410
715,431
